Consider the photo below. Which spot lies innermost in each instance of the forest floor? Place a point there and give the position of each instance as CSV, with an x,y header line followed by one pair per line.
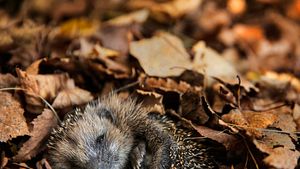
x,y
229,69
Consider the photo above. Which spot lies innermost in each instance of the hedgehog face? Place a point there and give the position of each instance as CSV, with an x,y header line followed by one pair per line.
x,y
93,142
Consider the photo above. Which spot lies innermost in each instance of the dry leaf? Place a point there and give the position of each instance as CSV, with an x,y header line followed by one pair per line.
x,y
33,69
153,100
164,84
252,122
248,33
173,9
27,32
162,55
3,160
80,27
116,38
5,40
293,9
191,108
139,16
43,164
296,115
281,78
283,158
42,127
12,121
45,86
209,62
94,51
8,80
218,17
236,7
71,96
227,140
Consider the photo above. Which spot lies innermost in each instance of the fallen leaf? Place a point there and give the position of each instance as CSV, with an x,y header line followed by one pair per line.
x,y
236,7
281,78
248,33
116,38
164,84
79,27
45,86
12,121
43,164
191,108
229,141
252,122
5,40
173,9
42,127
25,33
283,158
33,69
162,55
3,160
139,16
67,8
218,17
206,59
8,80
153,100
296,115
71,96
293,9
94,51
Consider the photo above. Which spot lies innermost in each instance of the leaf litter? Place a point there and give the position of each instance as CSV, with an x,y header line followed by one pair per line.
x,y
228,70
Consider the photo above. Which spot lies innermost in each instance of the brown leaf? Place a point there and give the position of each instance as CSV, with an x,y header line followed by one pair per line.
x,y
12,121
227,140
173,9
296,115
8,80
116,38
94,51
139,16
117,70
162,55
71,96
3,160
283,158
191,108
33,69
73,28
236,7
42,127
43,164
205,62
281,79
293,9
218,17
45,86
248,33
252,122
153,100
165,84
66,8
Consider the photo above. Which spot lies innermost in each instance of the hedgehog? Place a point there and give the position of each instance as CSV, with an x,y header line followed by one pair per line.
x,y
114,133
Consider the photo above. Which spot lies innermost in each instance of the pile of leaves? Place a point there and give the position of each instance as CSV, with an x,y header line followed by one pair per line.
x,y
228,69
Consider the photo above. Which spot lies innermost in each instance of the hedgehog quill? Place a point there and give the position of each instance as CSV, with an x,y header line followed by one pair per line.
x,y
111,133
